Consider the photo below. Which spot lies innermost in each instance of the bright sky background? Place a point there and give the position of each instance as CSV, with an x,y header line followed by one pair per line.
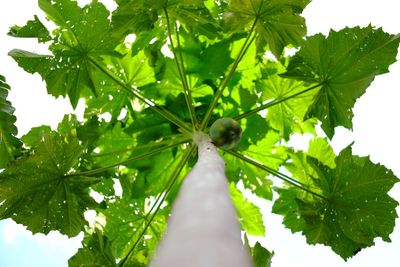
x,y
376,133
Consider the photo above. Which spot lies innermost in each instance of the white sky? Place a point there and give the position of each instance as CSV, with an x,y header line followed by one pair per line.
x,y
376,133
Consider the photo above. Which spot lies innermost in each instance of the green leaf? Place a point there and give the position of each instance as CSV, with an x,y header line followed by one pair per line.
x,y
134,16
126,218
267,151
96,252
321,150
287,115
35,192
252,177
278,22
86,30
111,143
134,71
261,256
346,62
148,126
84,34
36,133
9,144
152,178
33,29
255,129
249,214
357,208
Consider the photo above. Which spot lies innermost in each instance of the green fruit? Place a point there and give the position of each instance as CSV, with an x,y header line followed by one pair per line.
x,y
225,133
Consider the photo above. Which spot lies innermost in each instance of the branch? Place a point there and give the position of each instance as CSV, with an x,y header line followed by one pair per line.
x,y
279,175
141,156
159,202
181,69
275,102
160,110
228,77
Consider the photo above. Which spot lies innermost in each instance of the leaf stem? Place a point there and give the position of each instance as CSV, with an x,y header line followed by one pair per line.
x,y
141,156
275,102
228,77
160,110
279,175
159,202
149,145
181,69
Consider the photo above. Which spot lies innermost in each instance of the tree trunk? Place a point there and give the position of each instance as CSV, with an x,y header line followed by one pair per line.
x,y
203,230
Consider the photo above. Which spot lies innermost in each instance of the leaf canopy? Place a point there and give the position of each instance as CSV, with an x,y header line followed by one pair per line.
x,y
151,73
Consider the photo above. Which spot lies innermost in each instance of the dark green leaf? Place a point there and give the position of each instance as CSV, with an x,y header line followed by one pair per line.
x,y
32,29
9,144
34,190
287,115
125,220
261,256
84,35
134,16
96,252
253,178
356,210
278,22
346,62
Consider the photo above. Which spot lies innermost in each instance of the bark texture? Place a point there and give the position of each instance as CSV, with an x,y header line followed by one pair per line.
x,y
203,230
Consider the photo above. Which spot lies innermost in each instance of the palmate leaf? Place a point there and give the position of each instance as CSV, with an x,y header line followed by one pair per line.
x,y
33,29
302,171
346,62
288,115
357,207
253,178
134,71
126,218
265,151
35,192
201,65
278,21
83,34
134,16
112,140
96,252
9,144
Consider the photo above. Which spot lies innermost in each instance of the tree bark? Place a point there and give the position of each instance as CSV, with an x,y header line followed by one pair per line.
x,y
203,230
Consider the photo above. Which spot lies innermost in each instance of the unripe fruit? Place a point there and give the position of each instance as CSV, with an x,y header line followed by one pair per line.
x,y
225,133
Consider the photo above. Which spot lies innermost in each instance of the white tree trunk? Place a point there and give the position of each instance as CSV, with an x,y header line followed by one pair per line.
x,y
203,230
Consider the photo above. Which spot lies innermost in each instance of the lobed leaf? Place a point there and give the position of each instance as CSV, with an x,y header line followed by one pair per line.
x,y
35,191
285,116
126,218
33,29
357,208
345,62
96,252
84,34
278,22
